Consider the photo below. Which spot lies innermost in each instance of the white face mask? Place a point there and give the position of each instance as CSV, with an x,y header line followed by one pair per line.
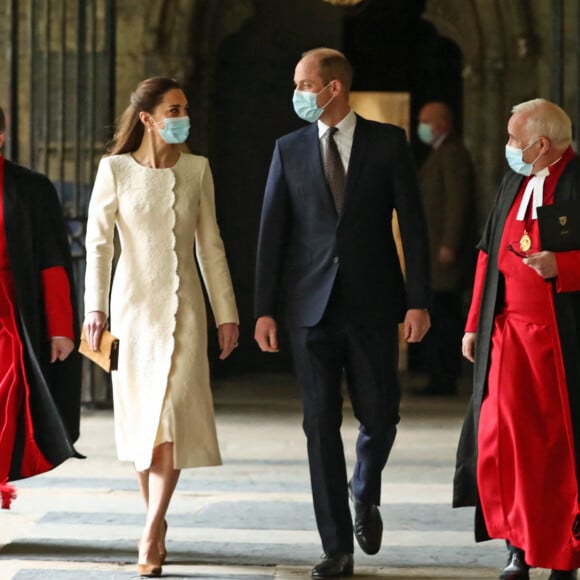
x,y
515,158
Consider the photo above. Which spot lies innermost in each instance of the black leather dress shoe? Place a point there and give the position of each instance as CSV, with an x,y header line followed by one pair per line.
x,y
516,568
563,575
368,524
333,565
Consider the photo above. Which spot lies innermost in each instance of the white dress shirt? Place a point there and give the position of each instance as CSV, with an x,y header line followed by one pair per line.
x,y
343,138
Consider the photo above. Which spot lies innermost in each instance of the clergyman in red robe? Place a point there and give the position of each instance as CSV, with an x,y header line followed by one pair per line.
x,y
517,460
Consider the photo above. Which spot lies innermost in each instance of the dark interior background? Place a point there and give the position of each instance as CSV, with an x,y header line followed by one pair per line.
x,y
391,48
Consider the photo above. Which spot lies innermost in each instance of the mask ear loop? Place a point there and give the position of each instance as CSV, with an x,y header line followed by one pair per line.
x,y
531,145
329,100
157,123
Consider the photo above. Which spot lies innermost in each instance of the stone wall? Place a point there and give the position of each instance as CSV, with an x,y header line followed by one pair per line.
x,y
4,53
235,59
507,48
5,58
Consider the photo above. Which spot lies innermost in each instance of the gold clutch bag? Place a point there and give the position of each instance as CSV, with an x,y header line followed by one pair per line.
x,y
108,354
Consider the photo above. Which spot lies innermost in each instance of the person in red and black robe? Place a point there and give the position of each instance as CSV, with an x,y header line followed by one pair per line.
x,y
517,459
40,370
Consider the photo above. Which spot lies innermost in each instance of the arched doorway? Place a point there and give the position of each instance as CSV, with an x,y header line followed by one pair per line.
x,y
391,48
404,53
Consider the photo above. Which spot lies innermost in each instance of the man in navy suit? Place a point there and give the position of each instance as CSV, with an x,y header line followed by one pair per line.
x,y
326,225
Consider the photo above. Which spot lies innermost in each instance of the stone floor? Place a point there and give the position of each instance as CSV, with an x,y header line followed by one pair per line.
x,y
252,518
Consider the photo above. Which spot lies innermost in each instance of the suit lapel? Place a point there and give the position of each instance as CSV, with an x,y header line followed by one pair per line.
x,y
315,167
360,143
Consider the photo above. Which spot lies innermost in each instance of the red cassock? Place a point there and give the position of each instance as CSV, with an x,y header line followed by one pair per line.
x,y
17,449
526,472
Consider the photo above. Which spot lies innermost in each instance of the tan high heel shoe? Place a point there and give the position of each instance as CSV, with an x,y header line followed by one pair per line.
x,y
149,570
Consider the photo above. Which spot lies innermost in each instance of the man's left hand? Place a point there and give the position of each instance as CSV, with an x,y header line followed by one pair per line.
x,y
544,263
417,323
60,348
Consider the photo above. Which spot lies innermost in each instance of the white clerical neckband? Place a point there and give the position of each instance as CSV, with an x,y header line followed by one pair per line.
x,y
535,191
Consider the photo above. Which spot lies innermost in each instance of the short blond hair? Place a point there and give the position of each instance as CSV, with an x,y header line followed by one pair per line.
x,y
546,119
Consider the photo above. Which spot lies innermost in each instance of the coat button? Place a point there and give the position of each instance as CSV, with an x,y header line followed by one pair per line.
x,y
335,260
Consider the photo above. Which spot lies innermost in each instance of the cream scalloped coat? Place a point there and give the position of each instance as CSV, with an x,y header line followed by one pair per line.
x,y
165,218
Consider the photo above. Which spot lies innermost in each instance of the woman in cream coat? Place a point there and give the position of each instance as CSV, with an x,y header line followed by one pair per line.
x,y
161,201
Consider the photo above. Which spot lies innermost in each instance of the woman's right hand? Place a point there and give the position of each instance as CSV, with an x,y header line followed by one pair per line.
x,y
94,324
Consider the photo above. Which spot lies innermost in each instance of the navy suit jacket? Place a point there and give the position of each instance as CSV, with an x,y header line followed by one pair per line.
x,y
300,230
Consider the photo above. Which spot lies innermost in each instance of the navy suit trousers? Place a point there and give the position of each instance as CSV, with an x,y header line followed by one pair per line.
x,y
367,357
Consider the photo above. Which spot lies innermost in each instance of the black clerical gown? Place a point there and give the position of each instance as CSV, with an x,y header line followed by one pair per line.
x,y
41,433
525,411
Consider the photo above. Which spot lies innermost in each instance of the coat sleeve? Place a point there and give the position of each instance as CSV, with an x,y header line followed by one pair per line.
x,y
55,261
211,255
412,225
99,239
474,308
57,294
53,246
272,239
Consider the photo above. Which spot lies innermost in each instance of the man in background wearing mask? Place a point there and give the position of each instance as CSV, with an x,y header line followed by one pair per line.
x,y
448,187
326,221
517,458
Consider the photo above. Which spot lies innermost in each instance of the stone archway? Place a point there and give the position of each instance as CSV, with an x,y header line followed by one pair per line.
x,y
499,71
182,39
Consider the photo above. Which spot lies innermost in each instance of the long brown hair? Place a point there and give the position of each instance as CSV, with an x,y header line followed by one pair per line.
x,y
148,94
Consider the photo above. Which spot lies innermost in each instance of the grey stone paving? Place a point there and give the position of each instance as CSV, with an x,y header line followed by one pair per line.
x,y
252,518
264,516
88,575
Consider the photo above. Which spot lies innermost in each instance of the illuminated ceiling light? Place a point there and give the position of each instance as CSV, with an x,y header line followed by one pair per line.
x,y
344,2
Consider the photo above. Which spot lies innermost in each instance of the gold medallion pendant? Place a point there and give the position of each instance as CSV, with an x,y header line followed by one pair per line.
x,y
525,242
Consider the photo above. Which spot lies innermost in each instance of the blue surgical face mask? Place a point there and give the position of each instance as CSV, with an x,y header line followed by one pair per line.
x,y
175,129
425,133
515,158
305,105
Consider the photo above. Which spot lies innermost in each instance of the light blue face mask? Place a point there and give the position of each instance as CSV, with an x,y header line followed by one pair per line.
x,y
515,159
305,105
175,129
425,133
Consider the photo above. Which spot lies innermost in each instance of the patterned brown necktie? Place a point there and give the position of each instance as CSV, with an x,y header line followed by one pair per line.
x,y
334,169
